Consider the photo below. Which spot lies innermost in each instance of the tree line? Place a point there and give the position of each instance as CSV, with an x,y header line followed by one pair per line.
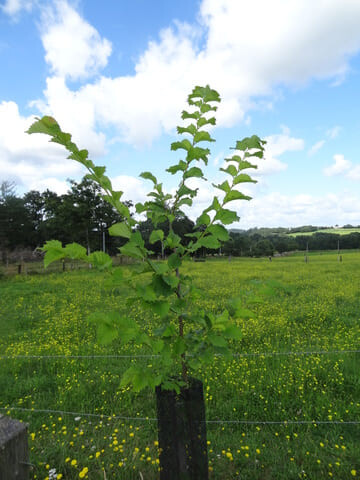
x,y
82,216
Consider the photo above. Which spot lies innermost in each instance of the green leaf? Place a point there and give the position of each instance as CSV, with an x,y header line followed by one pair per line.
x,y
198,153
174,261
148,176
185,115
193,172
171,280
179,346
184,190
184,145
189,129
235,195
106,333
209,242
156,236
140,208
175,168
131,251
226,216
225,187
204,219
204,121
203,136
185,201
205,93
249,143
161,308
120,230
216,340
233,332
172,240
75,251
242,178
219,232
230,169
54,251
100,260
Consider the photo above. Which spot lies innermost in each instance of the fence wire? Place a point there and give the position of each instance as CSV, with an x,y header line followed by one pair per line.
x,y
236,355
153,419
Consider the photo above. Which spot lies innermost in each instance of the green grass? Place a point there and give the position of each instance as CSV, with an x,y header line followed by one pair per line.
x,y
338,231
316,308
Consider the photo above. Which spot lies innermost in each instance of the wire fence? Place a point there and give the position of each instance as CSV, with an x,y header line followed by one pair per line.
x,y
154,419
235,355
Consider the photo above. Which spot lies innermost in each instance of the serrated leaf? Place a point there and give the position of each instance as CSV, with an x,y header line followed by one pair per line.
x,y
184,190
226,216
219,232
54,251
131,251
75,251
181,166
242,178
193,172
216,340
179,346
185,115
156,236
204,121
148,176
184,145
203,136
230,169
120,230
205,93
100,260
106,333
161,308
233,332
209,242
185,201
171,280
174,261
189,129
204,219
249,143
198,153
225,187
235,195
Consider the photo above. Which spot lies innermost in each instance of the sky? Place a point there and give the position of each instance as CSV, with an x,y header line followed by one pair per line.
x,y
116,74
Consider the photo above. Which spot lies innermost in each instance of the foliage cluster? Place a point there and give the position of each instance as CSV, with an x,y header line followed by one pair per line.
x,y
188,337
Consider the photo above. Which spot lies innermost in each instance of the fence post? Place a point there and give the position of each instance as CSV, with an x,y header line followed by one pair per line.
x,y
14,452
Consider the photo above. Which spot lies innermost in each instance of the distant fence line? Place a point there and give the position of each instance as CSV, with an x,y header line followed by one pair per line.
x,y
25,268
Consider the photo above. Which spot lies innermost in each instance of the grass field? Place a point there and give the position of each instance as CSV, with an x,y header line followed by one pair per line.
x,y
337,231
316,308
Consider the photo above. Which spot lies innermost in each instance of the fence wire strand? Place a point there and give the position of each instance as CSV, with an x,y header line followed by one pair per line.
x,y
236,355
152,419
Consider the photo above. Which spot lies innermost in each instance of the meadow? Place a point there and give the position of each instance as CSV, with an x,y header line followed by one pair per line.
x,y
260,405
337,231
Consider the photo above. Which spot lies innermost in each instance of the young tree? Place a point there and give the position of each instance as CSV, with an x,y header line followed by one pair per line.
x,y
188,336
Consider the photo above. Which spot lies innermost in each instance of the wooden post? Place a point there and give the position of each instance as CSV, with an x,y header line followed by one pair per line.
x,y
14,451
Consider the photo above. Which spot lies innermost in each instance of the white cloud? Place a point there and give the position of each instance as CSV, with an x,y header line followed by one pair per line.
x,y
354,173
14,7
275,210
340,166
276,146
30,160
316,147
74,48
286,44
333,132
133,188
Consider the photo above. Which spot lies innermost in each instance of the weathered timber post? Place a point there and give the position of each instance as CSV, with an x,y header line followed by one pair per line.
x,y
14,451
182,433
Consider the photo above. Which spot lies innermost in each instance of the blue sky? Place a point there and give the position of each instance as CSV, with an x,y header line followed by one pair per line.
x,y
116,75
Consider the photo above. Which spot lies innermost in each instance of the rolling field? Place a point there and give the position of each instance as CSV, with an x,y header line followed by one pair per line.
x,y
337,231
315,307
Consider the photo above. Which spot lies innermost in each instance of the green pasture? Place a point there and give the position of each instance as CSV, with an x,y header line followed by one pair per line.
x,y
314,307
337,231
